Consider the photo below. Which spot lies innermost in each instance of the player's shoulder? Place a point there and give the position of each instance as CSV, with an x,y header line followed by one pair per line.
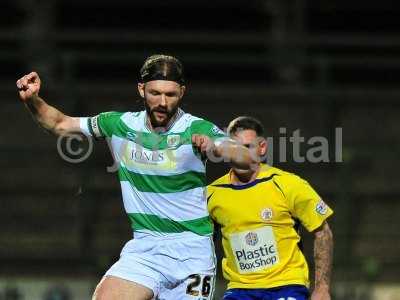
x,y
196,125
111,114
190,118
186,121
132,114
194,121
202,126
267,170
133,119
289,183
120,114
281,177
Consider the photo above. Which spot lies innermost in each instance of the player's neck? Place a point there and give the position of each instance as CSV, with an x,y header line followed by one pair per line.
x,y
237,178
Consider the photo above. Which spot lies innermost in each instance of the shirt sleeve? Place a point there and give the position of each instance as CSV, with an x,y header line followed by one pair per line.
x,y
207,128
101,126
304,202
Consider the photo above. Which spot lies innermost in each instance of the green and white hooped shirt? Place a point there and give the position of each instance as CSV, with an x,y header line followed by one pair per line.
x,y
162,176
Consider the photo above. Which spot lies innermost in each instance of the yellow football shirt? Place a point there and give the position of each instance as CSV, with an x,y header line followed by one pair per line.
x,y
259,224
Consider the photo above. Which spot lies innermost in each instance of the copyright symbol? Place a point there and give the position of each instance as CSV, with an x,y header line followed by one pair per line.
x,y
74,148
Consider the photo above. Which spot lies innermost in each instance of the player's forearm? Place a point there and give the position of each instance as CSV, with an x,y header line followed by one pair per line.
x,y
46,115
323,254
238,155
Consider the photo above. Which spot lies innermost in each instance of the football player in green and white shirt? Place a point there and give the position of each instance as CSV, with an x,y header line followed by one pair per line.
x,y
160,153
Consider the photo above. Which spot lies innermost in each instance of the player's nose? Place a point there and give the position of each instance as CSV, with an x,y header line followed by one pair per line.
x,y
163,100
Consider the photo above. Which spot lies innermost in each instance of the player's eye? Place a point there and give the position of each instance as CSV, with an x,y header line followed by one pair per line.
x,y
250,146
154,93
170,95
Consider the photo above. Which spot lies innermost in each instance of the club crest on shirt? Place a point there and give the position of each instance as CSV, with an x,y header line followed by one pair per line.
x,y
321,207
251,238
173,140
266,214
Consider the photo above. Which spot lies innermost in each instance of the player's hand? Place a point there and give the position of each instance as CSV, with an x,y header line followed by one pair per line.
x,y
203,143
28,86
320,294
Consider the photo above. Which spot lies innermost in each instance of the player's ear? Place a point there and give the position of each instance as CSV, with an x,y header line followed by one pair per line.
x,y
183,90
263,146
141,89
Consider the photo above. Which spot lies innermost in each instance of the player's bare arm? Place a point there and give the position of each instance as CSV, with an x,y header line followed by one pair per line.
x,y
239,156
323,252
48,117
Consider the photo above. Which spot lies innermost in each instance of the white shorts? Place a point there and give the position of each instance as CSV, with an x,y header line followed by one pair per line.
x,y
176,267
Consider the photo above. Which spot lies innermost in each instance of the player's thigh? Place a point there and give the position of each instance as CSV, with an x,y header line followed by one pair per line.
x,y
111,288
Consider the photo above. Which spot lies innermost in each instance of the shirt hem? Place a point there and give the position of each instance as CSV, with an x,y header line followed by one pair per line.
x,y
235,285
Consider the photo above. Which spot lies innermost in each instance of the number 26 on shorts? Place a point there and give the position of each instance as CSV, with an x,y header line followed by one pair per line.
x,y
200,286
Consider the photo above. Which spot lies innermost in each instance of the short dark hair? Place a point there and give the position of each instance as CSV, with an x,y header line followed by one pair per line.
x,y
162,67
245,123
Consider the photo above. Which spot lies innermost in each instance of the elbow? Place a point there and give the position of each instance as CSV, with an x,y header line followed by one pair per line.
x,y
329,232
324,232
61,127
58,130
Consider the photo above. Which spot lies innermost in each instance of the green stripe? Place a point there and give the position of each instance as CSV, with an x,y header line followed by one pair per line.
x,y
201,226
109,122
163,184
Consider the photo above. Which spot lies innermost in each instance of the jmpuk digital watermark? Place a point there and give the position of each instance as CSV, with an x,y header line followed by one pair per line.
x,y
319,148
287,147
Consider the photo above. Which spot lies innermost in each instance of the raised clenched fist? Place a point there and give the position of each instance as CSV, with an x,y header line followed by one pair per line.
x,y
28,86
202,142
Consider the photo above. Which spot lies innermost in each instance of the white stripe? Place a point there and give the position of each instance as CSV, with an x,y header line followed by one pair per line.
x,y
163,162
83,124
181,206
146,233
214,279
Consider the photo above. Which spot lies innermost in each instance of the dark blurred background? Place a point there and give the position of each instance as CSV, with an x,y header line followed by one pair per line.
x,y
294,64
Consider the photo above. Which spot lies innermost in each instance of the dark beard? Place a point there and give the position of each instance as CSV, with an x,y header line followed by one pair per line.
x,y
154,122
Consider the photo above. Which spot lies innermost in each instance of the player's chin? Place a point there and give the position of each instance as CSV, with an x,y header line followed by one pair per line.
x,y
241,171
161,119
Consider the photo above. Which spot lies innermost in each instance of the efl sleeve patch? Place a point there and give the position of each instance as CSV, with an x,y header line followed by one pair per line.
x,y
95,128
306,205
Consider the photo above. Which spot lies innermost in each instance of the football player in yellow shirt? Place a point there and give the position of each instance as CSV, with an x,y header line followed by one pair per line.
x,y
259,211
